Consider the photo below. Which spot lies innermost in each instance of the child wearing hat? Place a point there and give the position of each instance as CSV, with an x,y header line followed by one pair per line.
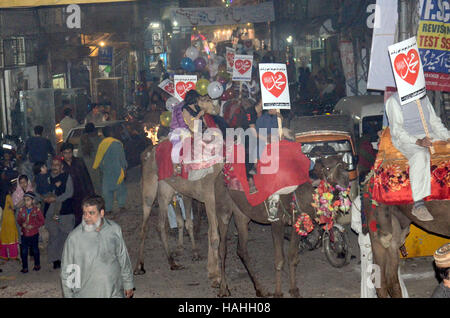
x,y
442,261
30,219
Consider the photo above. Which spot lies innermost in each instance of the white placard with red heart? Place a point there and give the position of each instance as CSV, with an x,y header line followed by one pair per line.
x,y
242,69
183,84
168,86
274,86
407,69
229,57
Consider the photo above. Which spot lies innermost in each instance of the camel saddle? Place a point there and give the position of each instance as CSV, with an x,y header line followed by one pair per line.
x,y
293,170
191,170
389,183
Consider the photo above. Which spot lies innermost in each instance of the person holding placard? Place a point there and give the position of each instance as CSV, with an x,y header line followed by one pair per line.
x,y
410,138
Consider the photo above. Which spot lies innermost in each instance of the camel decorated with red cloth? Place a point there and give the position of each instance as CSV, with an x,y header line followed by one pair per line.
x,y
387,204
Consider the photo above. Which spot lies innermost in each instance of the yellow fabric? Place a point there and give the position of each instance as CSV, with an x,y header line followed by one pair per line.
x,y
102,148
9,233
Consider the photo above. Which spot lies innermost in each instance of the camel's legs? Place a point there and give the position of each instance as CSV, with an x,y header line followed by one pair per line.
x,y
293,259
242,221
180,226
278,240
190,226
224,221
149,189
213,238
165,195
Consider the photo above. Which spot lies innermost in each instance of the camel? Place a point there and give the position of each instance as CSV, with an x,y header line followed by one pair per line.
x,y
394,222
231,202
164,190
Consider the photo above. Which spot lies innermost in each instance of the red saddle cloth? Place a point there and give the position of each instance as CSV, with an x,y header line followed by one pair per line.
x,y
293,169
391,185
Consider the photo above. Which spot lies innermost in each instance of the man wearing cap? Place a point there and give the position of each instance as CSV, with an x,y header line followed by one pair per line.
x,y
95,261
442,261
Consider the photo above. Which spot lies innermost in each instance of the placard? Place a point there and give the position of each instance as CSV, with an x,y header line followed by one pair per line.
x,y
168,87
242,68
229,57
407,69
183,84
274,86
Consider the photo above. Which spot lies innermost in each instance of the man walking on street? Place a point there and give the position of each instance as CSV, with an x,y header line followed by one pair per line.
x,y
82,184
67,123
110,158
95,255
37,148
60,219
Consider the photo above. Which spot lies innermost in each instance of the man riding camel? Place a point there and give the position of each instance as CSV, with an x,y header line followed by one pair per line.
x,y
409,137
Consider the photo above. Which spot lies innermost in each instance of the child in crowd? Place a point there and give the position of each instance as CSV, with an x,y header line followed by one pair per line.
x,y
23,186
30,219
42,180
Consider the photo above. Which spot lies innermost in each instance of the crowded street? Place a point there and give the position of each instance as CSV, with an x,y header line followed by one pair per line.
x,y
224,149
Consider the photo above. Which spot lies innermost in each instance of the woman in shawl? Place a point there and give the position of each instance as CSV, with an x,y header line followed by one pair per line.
x,y
9,236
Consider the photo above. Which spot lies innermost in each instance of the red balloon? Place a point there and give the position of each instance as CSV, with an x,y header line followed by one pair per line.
x,y
228,94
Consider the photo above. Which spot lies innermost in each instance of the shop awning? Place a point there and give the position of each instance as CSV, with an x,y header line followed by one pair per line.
x,y
38,3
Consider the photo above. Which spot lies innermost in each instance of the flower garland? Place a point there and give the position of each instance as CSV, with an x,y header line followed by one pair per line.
x,y
326,207
304,224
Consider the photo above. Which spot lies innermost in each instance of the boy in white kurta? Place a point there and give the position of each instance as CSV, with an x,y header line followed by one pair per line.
x,y
408,136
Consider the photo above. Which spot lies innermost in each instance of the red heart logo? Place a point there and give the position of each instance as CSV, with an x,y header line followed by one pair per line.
x,y
274,83
242,66
407,66
169,88
184,87
230,59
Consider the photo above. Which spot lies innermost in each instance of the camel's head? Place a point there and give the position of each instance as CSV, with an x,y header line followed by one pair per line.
x,y
333,170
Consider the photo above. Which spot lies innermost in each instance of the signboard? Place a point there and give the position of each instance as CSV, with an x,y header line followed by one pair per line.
x,y
242,68
259,13
183,84
348,66
105,55
168,87
386,17
274,86
229,56
434,43
407,69
37,3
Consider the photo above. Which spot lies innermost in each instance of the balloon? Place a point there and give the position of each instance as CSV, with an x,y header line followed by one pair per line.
x,y
222,67
228,94
199,63
224,74
202,86
192,53
215,90
166,118
187,64
222,80
171,102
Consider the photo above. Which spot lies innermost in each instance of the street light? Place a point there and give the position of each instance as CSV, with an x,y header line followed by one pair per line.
x,y
102,44
154,25
289,39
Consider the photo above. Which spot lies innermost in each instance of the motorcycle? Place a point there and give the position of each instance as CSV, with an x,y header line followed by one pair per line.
x,y
334,243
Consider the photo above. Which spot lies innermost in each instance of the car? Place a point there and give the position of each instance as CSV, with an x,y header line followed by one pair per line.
x,y
329,135
366,112
133,140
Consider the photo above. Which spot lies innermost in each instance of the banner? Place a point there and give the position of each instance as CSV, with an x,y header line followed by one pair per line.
x,y
183,84
259,13
380,71
37,3
348,66
434,43
242,69
105,55
168,87
407,69
229,56
274,86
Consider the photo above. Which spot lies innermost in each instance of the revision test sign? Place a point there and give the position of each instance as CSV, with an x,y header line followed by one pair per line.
x,y
274,86
407,69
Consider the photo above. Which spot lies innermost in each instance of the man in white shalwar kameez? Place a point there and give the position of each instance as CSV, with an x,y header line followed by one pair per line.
x,y
408,136
95,261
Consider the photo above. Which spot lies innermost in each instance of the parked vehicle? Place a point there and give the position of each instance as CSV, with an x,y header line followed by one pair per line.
x,y
134,140
366,112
